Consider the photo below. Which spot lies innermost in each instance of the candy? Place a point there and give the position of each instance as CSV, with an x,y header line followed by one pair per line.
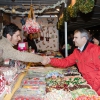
x,y
31,26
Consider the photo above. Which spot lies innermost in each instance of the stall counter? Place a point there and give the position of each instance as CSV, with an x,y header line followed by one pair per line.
x,y
17,84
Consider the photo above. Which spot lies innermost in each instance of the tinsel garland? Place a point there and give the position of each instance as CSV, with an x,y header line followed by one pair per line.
x,y
36,11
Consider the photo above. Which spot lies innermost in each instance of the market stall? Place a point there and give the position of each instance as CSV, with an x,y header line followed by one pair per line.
x,y
38,82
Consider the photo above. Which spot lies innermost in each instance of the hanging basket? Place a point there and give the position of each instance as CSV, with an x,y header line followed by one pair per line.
x,y
31,26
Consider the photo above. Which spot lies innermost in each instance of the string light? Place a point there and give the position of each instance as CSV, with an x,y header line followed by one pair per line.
x,y
13,10
58,9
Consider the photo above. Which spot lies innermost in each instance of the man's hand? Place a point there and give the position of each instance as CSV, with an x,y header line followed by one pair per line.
x,y
46,60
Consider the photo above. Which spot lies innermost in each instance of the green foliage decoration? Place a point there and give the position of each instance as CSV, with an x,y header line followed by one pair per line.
x,y
73,10
66,14
65,17
60,23
86,6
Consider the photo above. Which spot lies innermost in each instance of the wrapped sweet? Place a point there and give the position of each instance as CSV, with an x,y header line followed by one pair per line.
x,y
55,80
84,97
83,91
58,95
54,74
27,98
9,74
71,71
78,86
26,94
74,80
29,80
2,82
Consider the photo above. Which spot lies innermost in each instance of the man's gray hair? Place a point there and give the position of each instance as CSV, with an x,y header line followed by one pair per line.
x,y
84,33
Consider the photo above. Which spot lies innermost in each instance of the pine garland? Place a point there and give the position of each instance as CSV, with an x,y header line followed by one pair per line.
x,y
60,23
86,6
73,10
66,14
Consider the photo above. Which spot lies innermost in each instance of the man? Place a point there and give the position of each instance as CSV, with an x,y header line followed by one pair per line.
x,y
96,39
87,58
11,36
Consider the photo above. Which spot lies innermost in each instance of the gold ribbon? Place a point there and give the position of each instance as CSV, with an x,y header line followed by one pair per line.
x,y
31,12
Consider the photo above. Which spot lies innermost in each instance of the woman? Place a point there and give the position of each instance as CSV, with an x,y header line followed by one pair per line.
x,y
96,39
31,42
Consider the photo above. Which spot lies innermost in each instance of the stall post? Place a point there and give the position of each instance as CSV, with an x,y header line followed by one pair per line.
x,y
66,48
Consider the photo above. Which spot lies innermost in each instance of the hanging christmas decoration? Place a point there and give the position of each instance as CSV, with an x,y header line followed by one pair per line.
x,y
31,26
66,15
86,6
73,9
